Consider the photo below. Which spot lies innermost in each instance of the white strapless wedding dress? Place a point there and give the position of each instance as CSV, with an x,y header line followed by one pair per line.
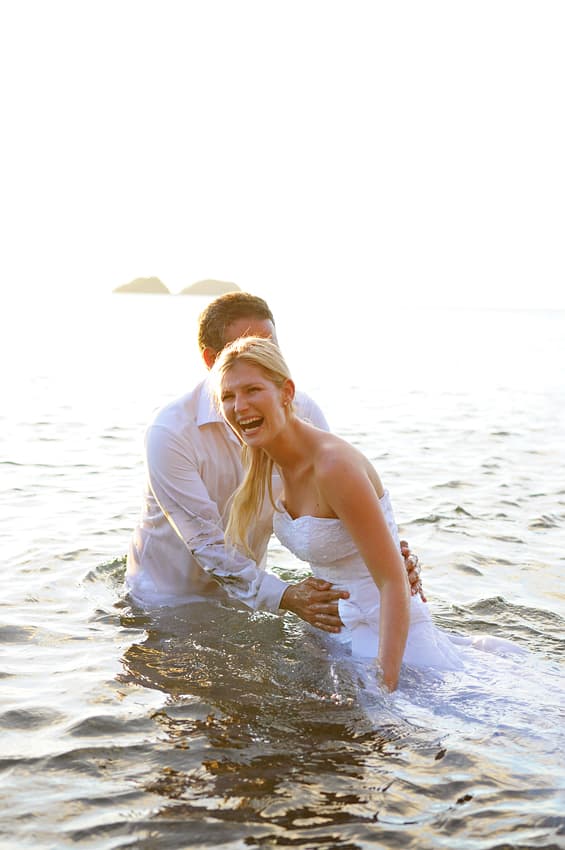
x,y
327,546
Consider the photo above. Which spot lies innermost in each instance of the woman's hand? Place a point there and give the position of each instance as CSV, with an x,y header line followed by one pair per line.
x,y
413,569
315,602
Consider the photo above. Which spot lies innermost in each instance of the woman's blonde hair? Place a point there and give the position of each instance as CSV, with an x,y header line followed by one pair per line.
x,y
247,501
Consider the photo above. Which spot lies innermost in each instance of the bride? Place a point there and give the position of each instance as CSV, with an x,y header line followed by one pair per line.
x,y
333,513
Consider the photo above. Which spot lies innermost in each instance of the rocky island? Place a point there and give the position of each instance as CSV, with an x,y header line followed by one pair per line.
x,y
210,287
145,286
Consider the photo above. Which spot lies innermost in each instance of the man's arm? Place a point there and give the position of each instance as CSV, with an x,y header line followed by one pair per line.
x,y
182,495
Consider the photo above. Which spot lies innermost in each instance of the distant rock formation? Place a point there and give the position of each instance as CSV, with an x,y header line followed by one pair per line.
x,y
210,287
144,285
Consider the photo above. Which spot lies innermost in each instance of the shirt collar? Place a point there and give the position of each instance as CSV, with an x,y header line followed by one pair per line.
x,y
207,411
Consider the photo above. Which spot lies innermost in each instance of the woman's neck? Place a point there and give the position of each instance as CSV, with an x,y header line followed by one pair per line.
x,y
290,448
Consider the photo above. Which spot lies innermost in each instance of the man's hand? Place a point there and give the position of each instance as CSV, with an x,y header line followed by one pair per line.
x,y
314,601
413,569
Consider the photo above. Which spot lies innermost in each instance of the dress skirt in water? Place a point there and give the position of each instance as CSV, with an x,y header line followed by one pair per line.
x,y
329,549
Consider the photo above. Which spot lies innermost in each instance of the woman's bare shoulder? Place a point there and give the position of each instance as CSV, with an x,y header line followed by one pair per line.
x,y
334,455
337,461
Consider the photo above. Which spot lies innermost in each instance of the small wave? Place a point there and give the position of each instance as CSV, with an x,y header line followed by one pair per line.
x,y
29,718
463,512
486,560
432,519
447,515
111,572
506,538
72,555
17,634
547,521
103,725
467,568
534,628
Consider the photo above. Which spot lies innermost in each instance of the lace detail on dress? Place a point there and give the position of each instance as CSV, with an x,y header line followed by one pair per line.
x,y
314,539
325,544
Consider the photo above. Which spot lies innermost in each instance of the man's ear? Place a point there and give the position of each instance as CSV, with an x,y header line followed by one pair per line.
x,y
209,357
288,391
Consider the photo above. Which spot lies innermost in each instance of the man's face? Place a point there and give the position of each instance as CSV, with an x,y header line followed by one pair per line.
x,y
250,327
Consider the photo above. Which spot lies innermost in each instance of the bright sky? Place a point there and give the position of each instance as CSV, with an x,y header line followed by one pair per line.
x,y
412,148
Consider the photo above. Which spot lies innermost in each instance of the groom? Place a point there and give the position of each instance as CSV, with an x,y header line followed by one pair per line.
x,y
193,467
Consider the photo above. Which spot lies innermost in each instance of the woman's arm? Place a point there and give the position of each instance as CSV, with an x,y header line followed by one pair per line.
x,y
344,482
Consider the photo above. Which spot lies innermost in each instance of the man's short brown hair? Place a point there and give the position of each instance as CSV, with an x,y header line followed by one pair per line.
x,y
222,311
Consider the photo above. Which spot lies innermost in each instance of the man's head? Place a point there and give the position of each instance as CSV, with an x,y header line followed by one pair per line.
x,y
229,317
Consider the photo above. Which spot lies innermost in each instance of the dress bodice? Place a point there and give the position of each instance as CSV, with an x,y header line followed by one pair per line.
x,y
326,544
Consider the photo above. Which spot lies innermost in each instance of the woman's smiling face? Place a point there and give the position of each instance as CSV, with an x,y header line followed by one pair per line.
x,y
252,403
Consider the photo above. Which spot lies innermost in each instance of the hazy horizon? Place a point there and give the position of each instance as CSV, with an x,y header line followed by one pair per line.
x,y
306,148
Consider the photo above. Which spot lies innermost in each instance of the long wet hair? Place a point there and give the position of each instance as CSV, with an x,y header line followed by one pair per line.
x,y
247,501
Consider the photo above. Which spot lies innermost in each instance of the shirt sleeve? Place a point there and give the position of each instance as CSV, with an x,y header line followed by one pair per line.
x,y
178,487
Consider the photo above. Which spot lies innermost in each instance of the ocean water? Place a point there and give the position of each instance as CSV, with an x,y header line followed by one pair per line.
x,y
203,726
